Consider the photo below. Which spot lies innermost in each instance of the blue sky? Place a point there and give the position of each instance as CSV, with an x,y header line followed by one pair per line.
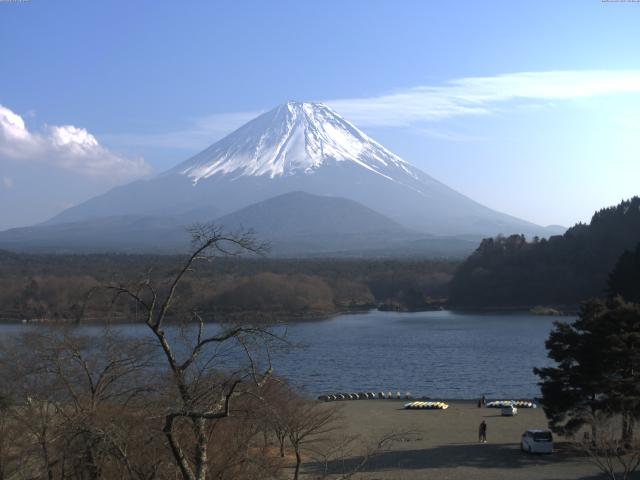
x,y
527,107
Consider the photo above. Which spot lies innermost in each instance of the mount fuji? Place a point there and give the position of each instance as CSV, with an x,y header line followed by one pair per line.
x,y
296,147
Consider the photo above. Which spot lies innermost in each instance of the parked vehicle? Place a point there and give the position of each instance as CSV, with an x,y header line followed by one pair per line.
x,y
509,411
537,441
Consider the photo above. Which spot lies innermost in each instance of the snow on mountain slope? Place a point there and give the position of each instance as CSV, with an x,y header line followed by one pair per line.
x,y
294,138
304,147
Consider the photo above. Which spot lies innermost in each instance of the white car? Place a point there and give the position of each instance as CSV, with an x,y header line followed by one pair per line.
x,y
537,441
509,411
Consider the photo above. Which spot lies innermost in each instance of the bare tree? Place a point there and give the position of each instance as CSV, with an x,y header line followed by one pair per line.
x,y
203,383
10,455
615,456
76,401
275,410
5,456
313,431
308,423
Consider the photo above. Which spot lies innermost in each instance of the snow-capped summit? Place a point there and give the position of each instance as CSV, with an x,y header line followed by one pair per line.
x,y
295,137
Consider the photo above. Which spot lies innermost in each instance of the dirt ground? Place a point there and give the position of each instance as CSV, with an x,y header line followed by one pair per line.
x,y
445,445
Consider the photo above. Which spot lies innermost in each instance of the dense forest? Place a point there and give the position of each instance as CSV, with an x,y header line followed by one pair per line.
x,y
561,271
54,287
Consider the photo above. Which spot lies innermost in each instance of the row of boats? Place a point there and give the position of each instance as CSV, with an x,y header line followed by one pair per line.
x,y
364,396
429,405
426,406
510,403
417,405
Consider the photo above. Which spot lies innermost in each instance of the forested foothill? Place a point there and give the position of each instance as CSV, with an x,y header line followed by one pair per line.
x,y
592,390
54,287
563,270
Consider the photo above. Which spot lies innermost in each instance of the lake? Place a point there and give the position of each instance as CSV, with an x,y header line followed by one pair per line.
x,y
440,354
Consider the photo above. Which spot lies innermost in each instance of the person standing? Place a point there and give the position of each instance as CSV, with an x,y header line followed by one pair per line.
x,y
482,432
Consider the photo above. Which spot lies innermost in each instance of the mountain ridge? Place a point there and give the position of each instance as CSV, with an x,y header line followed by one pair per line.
x,y
303,147
296,224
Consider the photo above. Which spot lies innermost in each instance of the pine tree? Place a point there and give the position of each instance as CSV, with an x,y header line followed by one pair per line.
x,y
597,367
624,280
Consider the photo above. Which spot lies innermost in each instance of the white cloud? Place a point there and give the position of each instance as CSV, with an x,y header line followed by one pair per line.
x,y
482,95
66,147
15,139
7,183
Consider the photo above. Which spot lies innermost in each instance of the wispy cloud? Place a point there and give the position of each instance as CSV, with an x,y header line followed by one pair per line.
x,y
66,146
446,134
420,107
482,95
7,183
200,134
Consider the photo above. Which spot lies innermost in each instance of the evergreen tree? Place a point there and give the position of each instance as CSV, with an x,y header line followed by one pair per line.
x,y
563,270
572,391
597,367
624,280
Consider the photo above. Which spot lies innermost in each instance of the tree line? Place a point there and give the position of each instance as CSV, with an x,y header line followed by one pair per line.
x,y
593,387
563,270
53,287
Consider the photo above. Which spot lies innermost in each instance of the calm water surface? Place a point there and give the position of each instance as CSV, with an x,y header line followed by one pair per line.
x,y
438,354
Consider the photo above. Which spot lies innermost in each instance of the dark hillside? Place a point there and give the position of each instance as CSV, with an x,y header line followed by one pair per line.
x,y
564,270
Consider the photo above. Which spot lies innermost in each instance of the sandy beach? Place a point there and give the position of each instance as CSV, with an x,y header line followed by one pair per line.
x,y
445,445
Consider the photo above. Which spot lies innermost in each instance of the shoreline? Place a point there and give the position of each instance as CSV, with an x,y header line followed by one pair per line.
x,y
540,310
444,444
280,317
464,401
